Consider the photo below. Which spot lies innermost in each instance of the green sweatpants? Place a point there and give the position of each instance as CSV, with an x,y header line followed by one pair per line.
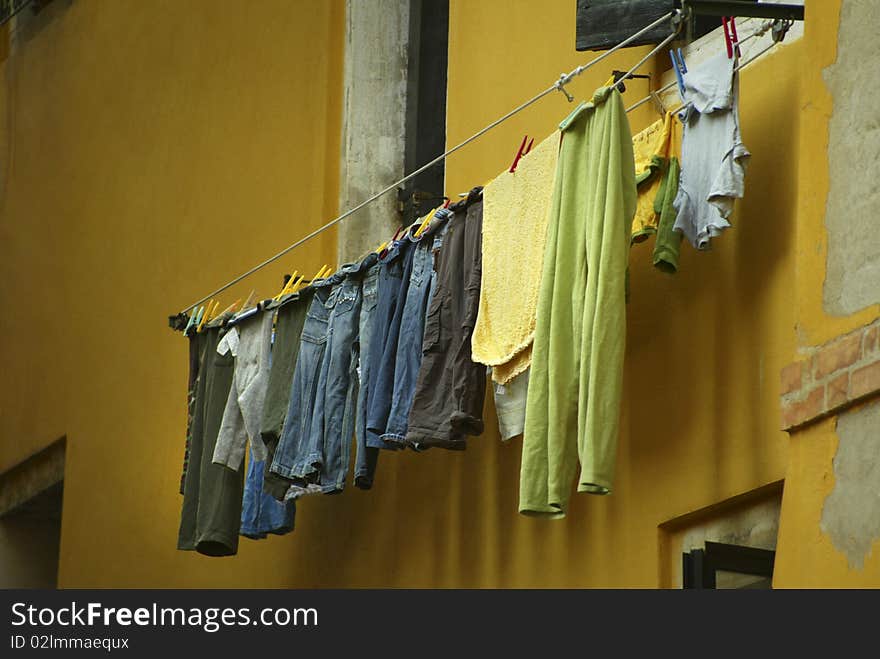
x,y
573,404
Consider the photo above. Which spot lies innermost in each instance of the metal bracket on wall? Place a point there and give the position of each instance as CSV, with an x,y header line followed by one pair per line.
x,y
746,9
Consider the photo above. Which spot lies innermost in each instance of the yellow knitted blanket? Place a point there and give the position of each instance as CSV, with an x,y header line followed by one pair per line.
x,y
515,210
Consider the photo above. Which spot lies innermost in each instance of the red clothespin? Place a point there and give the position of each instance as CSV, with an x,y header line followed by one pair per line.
x,y
529,147
734,40
447,202
519,154
727,41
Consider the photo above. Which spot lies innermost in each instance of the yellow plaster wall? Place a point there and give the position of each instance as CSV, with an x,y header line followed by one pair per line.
x,y
159,148
150,151
806,555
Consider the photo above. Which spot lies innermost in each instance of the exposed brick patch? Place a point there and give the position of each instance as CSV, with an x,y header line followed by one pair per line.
x,y
792,376
866,380
798,412
831,377
838,355
837,391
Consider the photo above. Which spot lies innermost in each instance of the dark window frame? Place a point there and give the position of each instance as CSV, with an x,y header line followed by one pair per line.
x,y
700,565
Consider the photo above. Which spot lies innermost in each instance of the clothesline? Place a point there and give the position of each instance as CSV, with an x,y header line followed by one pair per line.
x,y
757,33
559,85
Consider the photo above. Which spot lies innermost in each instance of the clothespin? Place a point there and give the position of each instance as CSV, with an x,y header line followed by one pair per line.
x,y
231,308
205,314
190,322
519,154
286,288
297,284
678,71
681,64
734,40
249,300
446,202
425,222
727,42
323,272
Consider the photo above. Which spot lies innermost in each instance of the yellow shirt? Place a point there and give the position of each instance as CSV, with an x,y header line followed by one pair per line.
x,y
650,148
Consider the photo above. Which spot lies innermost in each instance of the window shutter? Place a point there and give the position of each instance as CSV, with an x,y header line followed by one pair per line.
x,y
602,24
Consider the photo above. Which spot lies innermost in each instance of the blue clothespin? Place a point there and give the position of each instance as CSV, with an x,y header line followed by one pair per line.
x,y
190,322
678,71
681,63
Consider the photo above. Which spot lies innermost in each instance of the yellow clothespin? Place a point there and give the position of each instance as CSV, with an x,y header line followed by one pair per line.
x,y
231,308
425,222
381,247
286,288
297,284
323,272
205,315
249,300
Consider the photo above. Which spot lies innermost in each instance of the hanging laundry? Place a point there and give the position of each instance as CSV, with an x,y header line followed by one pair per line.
x,y
575,381
654,150
713,156
289,321
515,210
667,245
401,361
211,513
316,439
382,389
192,381
451,387
367,455
394,272
650,150
510,405
250,345
261,513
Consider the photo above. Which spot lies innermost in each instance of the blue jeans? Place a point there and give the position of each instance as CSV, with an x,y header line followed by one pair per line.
x,y
324,451
390,278
298,420
407,354
382,395
261,514
367,456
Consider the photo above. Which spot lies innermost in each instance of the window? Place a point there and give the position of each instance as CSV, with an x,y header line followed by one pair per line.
x,y
723,566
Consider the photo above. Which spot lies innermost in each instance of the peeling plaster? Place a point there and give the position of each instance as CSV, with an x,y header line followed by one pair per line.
x,y
851,514
853,263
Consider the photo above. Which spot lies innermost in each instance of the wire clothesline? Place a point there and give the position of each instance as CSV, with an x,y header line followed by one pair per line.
x,y
559,85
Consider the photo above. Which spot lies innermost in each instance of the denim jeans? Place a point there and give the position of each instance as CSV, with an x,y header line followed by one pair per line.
x,y
382,396
261,514
324,447
390,278
407,355
298,419
366,456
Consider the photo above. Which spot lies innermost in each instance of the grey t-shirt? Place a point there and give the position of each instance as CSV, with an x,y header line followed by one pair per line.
x,y
249,344
713,157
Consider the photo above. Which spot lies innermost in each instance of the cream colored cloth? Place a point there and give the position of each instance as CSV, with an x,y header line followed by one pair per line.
x,y
515,211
